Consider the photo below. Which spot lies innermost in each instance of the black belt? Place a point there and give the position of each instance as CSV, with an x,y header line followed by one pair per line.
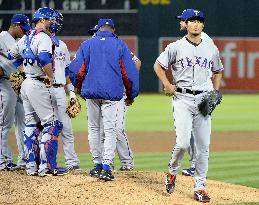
x,y
38,78
193,92
56,85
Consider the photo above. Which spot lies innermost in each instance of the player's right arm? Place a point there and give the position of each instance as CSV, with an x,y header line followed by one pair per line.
x,y
161,65
130,74
168,87
78,66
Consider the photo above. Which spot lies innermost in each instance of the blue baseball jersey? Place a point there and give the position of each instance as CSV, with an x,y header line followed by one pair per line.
x,y
104,66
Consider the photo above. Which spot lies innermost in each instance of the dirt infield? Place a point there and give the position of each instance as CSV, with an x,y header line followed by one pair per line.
x,y
131,188
163,141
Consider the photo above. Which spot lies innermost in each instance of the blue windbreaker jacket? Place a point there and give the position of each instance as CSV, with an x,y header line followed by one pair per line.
x,y
102,67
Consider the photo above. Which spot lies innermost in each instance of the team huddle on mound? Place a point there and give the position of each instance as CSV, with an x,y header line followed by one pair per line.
x,y
36,73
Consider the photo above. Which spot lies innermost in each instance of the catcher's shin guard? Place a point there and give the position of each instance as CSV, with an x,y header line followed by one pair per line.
x,y
49,144
31,144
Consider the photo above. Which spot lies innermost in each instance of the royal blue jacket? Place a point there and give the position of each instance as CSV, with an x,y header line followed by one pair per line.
x,y
103,66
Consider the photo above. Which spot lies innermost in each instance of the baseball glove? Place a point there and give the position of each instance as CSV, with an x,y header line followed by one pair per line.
x,y
73,108
16,80
209,102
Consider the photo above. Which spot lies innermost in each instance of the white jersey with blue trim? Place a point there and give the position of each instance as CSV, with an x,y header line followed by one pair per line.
x,y
40,42
61,61
6,44
191,64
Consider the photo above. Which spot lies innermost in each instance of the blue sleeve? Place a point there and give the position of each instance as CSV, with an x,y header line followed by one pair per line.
x,y
131,73
45,58
71,75
18,62
75,65
67,72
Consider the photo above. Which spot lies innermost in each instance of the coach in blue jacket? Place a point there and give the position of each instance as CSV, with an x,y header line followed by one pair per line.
x,y
103,67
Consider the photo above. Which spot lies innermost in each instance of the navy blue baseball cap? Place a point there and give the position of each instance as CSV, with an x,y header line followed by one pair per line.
x,y
103,22
22,20
190,13
93,30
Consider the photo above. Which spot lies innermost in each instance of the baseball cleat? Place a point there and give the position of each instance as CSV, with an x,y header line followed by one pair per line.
x,y
54,172
32,171
106,175
126,168
10,166
170,182
201,196
19,167
188,172
73,168
95,172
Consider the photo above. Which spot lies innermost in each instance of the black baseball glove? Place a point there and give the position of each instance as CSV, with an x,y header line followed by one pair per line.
x,y
209,102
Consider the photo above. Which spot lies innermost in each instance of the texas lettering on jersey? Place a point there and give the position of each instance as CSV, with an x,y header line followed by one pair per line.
x,y
200,61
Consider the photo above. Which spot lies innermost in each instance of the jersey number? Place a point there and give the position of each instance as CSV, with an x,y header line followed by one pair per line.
x,y
29,61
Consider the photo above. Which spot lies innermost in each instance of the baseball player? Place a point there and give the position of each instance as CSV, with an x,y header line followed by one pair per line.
x,y
105,65
61,62
36,50
191,150
192,60
124,151
11,109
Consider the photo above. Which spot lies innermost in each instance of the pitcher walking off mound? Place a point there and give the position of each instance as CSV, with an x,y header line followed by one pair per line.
x,y
192,61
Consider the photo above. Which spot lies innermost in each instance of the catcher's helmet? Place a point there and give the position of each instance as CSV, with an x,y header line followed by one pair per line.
x,y
58,22
43,13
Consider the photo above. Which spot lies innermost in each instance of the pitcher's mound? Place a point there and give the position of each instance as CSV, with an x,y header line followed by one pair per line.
x,y
128,188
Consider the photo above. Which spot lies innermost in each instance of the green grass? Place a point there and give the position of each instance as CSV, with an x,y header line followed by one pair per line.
x,y
153,112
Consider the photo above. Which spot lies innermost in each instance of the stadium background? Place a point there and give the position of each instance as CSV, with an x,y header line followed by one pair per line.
x,y
148,26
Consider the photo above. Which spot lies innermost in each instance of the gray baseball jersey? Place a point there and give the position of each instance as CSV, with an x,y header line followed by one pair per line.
x,y
11,108
191,65
7,42
62,60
